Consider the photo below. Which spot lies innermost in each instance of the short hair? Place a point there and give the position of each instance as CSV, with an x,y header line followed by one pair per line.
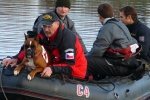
x,y
128,10
105,10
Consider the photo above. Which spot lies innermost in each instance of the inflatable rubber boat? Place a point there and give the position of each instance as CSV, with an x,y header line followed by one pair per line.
x,y
61,87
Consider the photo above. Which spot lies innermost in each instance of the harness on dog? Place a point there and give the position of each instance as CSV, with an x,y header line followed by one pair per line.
x,y
44,54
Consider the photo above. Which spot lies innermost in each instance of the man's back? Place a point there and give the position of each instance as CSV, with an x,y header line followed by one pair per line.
x,y
113,35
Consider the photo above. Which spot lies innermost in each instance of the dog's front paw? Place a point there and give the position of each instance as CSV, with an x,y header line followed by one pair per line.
x,y
29,77
16,72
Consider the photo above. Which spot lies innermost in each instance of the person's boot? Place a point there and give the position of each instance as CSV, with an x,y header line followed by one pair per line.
x,y
147,65
139,72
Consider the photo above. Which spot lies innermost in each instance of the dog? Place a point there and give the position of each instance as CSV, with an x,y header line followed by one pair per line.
x,y
34,59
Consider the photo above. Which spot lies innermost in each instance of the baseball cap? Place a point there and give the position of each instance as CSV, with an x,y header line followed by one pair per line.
x,y
48,18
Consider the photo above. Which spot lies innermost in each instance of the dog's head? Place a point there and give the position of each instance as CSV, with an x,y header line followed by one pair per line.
x,y
32,46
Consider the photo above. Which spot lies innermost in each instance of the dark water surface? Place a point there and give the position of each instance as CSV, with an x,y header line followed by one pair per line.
x,y
17,17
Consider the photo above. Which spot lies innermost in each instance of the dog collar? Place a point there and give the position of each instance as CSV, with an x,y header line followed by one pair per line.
x,y
38,55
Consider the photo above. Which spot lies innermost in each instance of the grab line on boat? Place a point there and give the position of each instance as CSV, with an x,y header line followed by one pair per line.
x,y
2,67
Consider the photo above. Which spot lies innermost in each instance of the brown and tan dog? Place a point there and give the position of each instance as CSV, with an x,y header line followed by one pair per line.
x,y
34,57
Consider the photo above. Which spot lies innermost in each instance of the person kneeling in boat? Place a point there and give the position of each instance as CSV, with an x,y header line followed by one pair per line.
x,y
138,30
69,58
113,49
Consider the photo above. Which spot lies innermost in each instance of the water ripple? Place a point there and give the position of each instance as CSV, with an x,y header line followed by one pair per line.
x,y
17,17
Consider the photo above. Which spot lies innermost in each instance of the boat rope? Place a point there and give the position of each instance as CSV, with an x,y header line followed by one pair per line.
x,y
109,82
2,68
74,80
124,77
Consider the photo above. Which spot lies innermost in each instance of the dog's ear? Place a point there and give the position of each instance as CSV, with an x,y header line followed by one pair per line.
x,y
25,36
36,38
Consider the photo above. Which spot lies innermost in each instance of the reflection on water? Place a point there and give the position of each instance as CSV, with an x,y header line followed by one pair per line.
x,y
17,16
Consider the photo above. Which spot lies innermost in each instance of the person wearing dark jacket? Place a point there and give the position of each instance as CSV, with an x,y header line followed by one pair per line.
x,y
138,30
68,53
113,50
62,8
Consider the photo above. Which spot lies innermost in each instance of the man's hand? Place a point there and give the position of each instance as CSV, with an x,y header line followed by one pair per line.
x,y
7,62
46,72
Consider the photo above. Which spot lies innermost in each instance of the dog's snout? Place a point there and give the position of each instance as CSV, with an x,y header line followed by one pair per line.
x,y
29,50
29,53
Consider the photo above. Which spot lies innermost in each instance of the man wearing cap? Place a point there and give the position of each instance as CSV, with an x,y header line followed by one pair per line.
x,y
68,53
62,8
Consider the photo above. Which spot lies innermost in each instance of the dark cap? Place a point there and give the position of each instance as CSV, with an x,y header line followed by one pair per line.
x,y
65,3
49,18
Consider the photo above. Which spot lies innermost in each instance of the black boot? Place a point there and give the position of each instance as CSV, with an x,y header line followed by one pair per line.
x,y
147,65
139,72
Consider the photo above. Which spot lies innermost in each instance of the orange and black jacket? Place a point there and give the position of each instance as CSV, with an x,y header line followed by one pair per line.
x,y
68,53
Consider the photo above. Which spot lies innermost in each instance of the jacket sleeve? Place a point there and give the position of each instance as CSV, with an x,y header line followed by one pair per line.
x,y
20,53
82,43
143,40
68,49
61,70
67,54
20,56
102,42
70,25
